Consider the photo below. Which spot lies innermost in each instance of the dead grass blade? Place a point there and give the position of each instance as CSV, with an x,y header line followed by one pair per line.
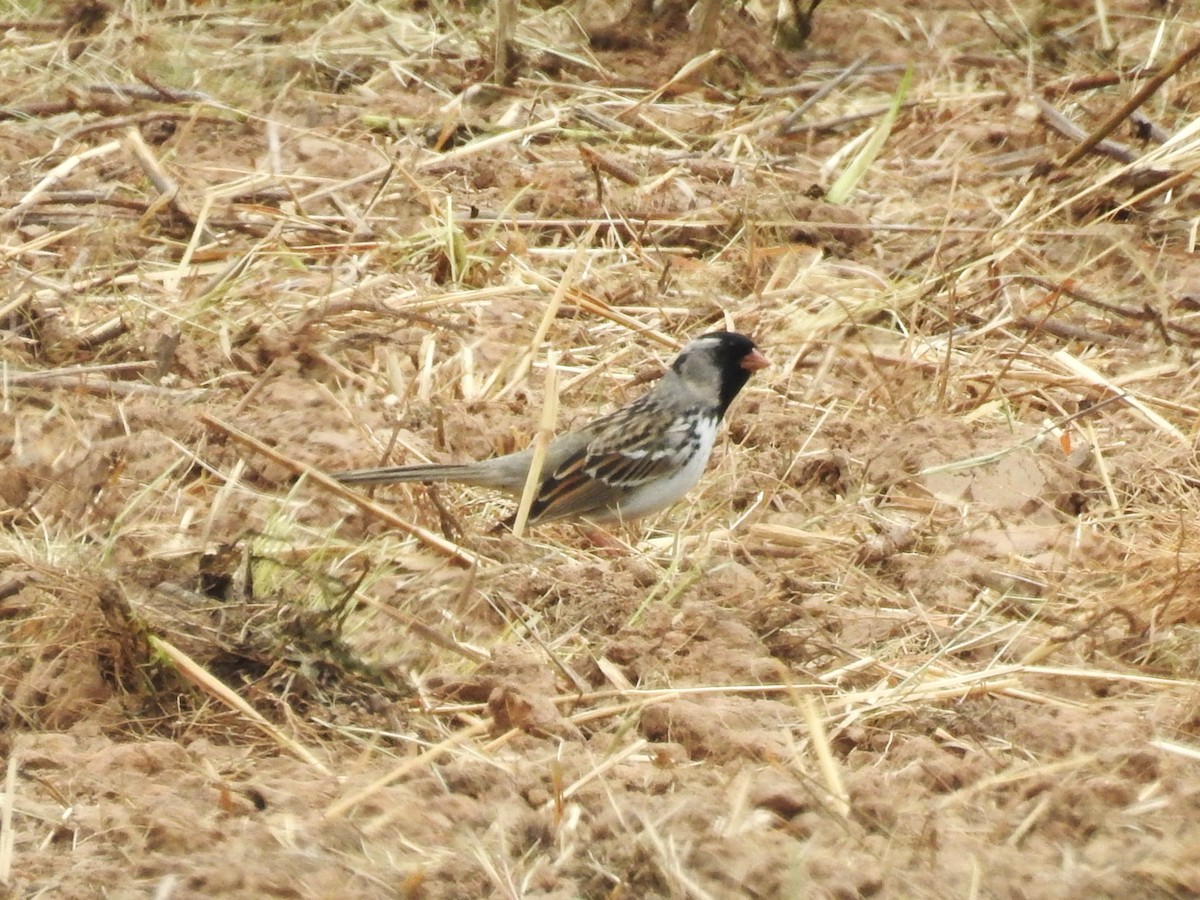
x,y
423,631
53,177
436,542
548,314
685,72
541,441
168,188
1122,112
1090,375
7,804
1187,751
341,807
825,758
200,677
607,765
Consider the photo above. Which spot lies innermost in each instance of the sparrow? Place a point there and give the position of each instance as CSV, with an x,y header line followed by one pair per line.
x,y
637,460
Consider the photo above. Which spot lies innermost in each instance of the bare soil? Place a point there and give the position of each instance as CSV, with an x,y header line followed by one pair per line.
x,y
930,627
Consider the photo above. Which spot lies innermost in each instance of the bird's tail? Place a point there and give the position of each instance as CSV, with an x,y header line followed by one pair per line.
x,y
463,474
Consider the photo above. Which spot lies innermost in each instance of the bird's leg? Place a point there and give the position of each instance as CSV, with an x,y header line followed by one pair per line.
x,y
451,527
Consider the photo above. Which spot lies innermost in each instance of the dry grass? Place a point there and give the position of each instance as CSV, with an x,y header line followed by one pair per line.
x,y
927,629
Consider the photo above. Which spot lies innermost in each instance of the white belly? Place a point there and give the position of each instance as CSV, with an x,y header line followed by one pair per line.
x,y
661,493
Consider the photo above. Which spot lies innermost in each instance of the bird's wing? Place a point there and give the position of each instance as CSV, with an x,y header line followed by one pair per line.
x,y
626,450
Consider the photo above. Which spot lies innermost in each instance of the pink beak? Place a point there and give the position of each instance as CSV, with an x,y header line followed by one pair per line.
x,y
754,360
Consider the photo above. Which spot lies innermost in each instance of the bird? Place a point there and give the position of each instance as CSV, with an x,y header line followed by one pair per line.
x,y
634,461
